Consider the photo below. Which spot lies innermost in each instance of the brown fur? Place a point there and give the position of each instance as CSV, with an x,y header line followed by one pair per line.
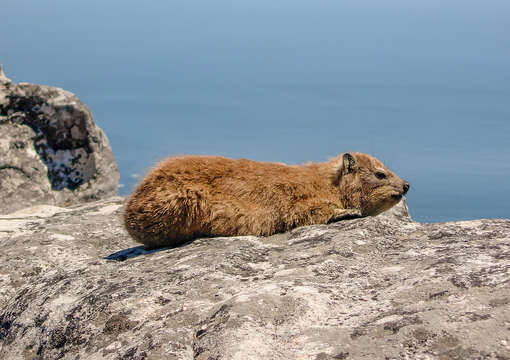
x,y
186,197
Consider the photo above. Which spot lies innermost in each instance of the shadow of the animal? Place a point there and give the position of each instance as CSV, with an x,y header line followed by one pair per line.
x,y
133,252
139,250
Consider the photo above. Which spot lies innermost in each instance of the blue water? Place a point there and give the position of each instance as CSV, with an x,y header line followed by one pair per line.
x,y
424,86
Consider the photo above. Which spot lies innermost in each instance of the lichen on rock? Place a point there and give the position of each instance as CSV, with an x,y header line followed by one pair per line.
x,y
52,151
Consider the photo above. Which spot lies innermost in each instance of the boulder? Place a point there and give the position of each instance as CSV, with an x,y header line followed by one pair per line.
x,y
74,285
51,151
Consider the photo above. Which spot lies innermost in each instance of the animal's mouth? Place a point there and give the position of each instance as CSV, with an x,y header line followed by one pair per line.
x,y
397,196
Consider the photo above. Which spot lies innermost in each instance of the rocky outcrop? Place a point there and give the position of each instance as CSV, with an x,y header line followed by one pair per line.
x,y
74,285
51,151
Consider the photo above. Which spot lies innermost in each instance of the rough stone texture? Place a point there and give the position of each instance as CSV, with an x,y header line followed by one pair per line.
x,y
51,151
373,288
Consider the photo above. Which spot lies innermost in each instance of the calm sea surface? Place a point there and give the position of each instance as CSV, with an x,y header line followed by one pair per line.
x,y
425,87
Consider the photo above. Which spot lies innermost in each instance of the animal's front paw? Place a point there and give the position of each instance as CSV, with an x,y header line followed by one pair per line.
x,y
345,214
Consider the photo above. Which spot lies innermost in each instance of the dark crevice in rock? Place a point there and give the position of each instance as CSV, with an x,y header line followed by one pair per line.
x,y
54,141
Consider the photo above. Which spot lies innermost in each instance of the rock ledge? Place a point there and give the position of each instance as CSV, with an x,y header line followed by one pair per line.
x,y
373,288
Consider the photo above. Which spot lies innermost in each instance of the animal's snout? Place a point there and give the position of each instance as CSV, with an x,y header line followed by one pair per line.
x,y
406,187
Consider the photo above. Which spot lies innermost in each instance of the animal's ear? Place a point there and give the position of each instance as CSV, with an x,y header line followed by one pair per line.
x,y
348,162
344,166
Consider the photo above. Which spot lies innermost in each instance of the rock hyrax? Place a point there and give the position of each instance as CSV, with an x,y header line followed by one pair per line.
x,y
186,197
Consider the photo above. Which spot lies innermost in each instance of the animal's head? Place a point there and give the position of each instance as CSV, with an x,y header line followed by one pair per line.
x,y
366,184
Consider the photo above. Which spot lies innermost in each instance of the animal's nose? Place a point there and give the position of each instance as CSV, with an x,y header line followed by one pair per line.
x,y
406,187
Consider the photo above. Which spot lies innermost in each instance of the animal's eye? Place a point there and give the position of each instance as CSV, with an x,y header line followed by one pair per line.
x,y
380,175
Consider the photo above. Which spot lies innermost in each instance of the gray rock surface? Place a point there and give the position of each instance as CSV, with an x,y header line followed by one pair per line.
x,y
51,151
73,285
